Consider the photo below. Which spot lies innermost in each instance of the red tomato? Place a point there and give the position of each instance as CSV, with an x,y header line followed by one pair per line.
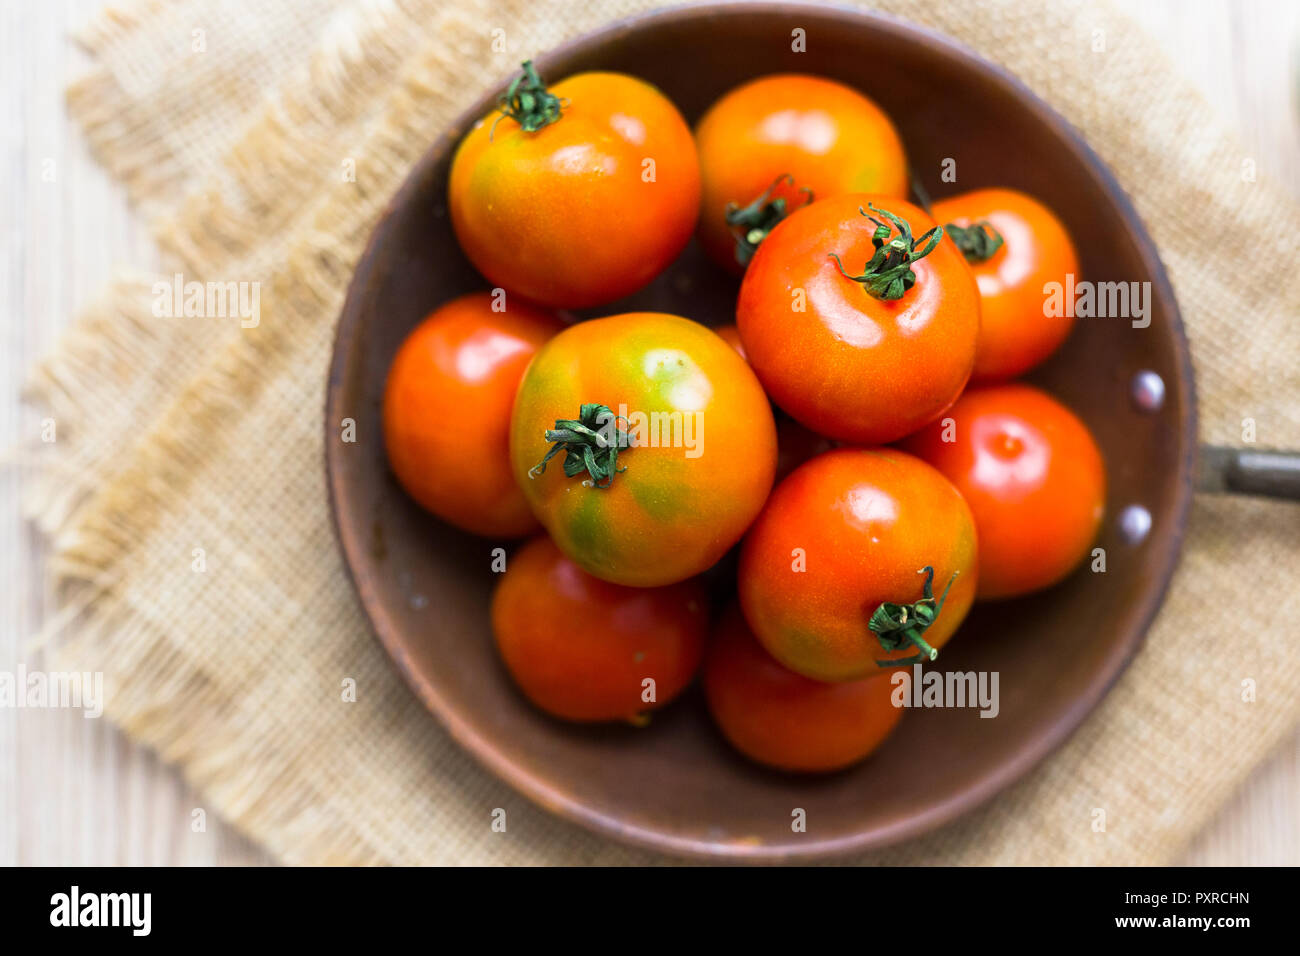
x,y
578,195
447,406
1033,477
777,142
841,548
1015,332
867,359
781,719
662,492
795,444
582,649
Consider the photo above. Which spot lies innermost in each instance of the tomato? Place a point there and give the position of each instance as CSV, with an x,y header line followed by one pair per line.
x,y
784,720
660,492
778,142
848,543
794,443
578,195
1033,477
731,335
1015,334
581,648
447,404
867,359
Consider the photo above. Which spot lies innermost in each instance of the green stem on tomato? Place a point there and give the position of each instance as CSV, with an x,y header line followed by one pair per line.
x,y
897,626
977,242
750,224
888,274
590,444
528,102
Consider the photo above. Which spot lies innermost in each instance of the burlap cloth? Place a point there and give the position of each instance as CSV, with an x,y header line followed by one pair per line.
x,y
177,434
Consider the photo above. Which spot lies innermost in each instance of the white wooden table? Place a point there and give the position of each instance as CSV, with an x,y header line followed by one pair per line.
x,y
76,791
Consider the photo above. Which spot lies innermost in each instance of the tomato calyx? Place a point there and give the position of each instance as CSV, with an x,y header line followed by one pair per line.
x,y
977,242
901,625
528,102
889,273
751,223
590,444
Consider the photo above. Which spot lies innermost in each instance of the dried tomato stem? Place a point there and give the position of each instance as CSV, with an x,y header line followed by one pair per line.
x,y
901,625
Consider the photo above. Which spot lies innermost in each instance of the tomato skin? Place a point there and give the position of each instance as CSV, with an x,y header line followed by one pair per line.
x,y
784,720
1033,477
675,510
827,136
446,413
563,215
795,444
731,335
850,366
1015,335
863,522
579,648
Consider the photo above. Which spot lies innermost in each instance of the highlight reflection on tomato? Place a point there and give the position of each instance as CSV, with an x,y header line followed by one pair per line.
x,y
1015,332
775,143
704,455
447,404
849,531
1033,477
868,356
787,721
578,194
583,649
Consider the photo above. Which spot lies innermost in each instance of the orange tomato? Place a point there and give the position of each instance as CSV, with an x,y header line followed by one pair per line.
x,y
794,443
578,195
447,404
1015,334
842,550
781,719
582,649
731,335
867,359
660,443
1033,477
766,145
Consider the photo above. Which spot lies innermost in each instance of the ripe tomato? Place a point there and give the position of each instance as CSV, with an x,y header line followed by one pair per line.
x,y
794,443
731,335
661,492
582,648
1033,477
447,406
578,195
784,720
835,575
866,359
1015,334
777,142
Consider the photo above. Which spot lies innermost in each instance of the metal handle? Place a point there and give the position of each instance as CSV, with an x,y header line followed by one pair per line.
x,y
1271,474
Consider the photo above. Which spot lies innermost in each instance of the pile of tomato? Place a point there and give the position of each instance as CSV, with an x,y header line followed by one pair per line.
x,y
855,435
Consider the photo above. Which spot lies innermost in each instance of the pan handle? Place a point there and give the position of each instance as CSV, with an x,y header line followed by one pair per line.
x,y
1270,474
